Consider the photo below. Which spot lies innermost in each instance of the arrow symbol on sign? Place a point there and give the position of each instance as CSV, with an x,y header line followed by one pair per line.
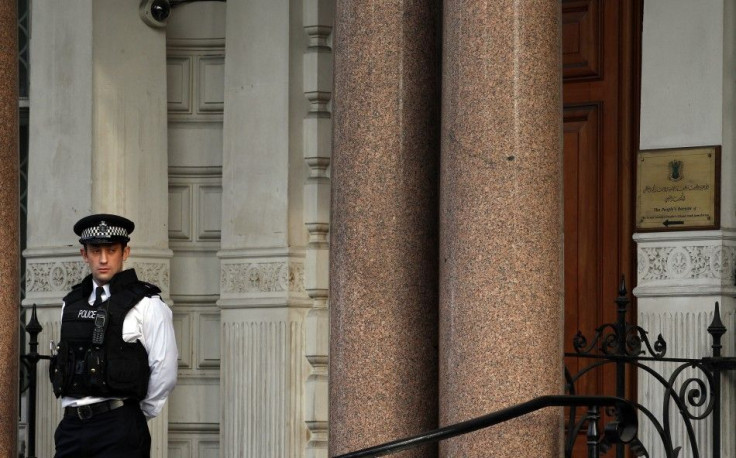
x,y
670,223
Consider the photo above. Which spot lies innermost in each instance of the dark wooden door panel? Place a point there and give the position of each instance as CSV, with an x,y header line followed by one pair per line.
x,y
583,193
601,42
581,39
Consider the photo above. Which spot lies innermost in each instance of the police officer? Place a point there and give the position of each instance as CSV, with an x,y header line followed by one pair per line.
x,y
116,362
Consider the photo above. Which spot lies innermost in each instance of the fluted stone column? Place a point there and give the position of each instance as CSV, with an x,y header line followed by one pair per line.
x,y
263,301
60,158
383,257
97,144
9,229
130,162
501,223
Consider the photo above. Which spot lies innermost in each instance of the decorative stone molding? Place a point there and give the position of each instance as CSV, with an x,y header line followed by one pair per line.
x,y
266,277
60,276
693,262
686,264
54,276
152,272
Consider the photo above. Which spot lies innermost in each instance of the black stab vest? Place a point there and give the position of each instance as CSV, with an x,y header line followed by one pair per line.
x,y
114,368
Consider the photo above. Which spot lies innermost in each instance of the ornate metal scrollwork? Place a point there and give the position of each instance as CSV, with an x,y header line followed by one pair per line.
x,y
620,338
692,390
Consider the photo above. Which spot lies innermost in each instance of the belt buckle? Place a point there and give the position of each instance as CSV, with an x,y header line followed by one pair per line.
x,y
84,412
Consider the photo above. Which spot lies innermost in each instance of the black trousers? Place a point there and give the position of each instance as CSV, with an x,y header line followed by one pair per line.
x,y
118,433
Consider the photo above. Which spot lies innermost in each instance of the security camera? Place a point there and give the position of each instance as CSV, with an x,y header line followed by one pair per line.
x,y
155,12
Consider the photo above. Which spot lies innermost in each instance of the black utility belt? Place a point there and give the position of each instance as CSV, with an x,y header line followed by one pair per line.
x,y
88,411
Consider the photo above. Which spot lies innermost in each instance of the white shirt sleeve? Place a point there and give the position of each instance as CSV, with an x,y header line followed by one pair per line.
x,y
150,321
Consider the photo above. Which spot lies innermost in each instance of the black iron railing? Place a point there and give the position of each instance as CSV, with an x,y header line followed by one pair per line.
x,y
30,361
695,398
621,429
693,388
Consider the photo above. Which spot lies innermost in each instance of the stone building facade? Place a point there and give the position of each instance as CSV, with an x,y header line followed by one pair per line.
x,y
356,209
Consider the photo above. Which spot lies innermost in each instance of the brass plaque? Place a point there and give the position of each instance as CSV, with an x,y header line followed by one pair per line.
x,y
678,189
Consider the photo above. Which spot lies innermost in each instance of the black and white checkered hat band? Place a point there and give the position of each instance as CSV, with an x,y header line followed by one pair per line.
x,y
103,231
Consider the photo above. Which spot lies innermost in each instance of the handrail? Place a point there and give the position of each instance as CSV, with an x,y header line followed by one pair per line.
x,y
624,429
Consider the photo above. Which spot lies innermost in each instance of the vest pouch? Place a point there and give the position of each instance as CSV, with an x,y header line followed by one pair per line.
x,y
127,369
95,367
61,368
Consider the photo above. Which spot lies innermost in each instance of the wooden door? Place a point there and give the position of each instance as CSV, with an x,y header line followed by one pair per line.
x,y
601,43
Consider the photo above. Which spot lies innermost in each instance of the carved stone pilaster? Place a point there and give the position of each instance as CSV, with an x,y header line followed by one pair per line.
x,y
680,277
262,366
318,20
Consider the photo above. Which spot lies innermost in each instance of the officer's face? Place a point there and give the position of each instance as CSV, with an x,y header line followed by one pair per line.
x,y
105,260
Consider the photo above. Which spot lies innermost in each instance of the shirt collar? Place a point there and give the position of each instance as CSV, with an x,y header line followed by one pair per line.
x,y
105,296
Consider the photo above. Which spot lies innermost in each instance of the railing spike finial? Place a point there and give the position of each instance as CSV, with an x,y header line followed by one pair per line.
x,y
622,286
716,331
33,327
622,301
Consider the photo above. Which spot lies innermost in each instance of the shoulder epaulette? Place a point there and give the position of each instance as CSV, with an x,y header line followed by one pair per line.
x,y
147,289
76,293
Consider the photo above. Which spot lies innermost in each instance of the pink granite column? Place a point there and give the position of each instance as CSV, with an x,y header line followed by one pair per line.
x,y
501,223
384,231
9,224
